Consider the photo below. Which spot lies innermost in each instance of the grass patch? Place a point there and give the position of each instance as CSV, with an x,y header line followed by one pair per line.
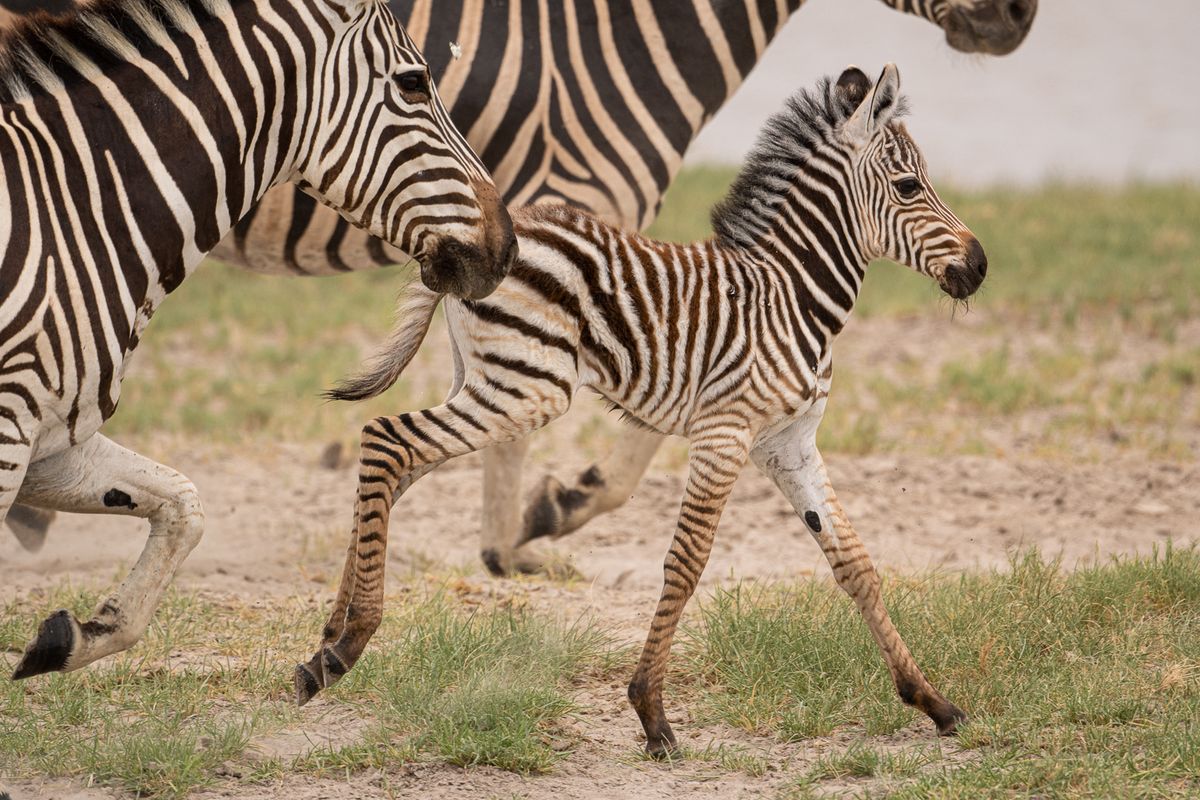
x,y
445,678
470,687
1078,684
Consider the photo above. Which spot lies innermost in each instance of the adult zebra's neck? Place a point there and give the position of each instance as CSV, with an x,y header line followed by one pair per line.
x,y
172,117
715,43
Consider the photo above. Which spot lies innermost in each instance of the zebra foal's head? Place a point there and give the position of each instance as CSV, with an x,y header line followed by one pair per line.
x,y
899,215
386,155
835,178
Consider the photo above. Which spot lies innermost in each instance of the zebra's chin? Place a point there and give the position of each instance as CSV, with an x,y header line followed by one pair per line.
x,y
960,282
466,271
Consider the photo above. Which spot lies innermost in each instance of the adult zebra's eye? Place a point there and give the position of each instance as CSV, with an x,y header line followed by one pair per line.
x,y
412,83
908,187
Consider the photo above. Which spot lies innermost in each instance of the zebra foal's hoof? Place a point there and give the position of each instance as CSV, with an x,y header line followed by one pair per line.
x,y
950,720
323,671
50,650
307,684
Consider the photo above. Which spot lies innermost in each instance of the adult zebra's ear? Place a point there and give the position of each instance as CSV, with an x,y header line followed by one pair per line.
x,y
877,108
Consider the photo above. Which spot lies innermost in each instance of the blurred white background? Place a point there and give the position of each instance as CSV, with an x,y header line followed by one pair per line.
x,y
1100,91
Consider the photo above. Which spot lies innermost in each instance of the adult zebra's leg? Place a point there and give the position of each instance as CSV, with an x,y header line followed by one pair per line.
x,y
556,510
14,462
395,451
101,477
503,466
790,459
714,463
29,525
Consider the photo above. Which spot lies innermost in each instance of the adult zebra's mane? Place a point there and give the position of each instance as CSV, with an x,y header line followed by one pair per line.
x,y
39,52
808,120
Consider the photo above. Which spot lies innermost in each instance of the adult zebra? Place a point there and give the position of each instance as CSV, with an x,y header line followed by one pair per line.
x,y
727,342
589,103
133,135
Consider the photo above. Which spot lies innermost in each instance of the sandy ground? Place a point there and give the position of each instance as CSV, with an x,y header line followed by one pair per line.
x,y
276,523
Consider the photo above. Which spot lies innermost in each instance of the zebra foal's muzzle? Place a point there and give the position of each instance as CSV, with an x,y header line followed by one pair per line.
x,y
473,270
961,278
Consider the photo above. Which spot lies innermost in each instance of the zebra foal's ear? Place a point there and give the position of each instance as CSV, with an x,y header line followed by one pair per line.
x,y
878,106
852,88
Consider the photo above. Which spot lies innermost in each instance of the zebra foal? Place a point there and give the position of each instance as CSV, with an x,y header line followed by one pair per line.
x,y
134,134
726,342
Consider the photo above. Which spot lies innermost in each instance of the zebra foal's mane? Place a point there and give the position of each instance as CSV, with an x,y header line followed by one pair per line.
x,y
42,52
788,140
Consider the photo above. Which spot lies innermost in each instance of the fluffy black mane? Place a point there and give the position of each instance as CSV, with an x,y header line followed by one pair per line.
x,y
809,118
31,52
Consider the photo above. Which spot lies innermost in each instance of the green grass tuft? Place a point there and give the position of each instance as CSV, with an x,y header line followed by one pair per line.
x,y
1086,682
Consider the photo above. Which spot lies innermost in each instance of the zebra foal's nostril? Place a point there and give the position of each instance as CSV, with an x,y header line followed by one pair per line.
x,y
976,258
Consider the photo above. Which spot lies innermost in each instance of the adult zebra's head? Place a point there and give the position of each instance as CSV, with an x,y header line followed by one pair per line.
x,y
995,27
899,215
386,155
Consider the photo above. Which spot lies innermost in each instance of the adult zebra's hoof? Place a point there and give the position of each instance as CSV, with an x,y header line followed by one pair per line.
x,y
50,650
545,515
30,526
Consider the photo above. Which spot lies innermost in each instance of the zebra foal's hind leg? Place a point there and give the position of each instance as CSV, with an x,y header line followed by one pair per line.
x,y
790,459
101,477
714,462
394,452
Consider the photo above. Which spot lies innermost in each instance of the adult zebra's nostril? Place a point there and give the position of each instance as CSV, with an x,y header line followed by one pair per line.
x,y
1018,11
976,258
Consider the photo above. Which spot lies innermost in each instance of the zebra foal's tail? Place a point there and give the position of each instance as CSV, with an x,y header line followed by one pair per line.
x,y
414,313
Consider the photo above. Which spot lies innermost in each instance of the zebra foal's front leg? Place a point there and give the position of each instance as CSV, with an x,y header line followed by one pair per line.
x,y
714,462
790,459
101,477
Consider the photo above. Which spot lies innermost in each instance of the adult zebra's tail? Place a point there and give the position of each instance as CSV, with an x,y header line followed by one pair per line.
x,y
414,313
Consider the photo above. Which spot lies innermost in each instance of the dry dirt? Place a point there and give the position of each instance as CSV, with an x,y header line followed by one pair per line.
x,y
276,521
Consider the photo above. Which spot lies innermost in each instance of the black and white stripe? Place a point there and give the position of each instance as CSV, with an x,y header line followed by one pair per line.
x,y
133,135
592,103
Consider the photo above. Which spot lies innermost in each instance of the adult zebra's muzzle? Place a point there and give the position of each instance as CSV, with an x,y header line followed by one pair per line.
x,y
995,27
473,270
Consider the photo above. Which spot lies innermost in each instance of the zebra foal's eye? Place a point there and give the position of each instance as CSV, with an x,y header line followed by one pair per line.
x,y
908,187
413,82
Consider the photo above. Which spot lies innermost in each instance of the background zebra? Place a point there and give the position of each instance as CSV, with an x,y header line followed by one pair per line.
x,y
595,105
134,134
726,342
